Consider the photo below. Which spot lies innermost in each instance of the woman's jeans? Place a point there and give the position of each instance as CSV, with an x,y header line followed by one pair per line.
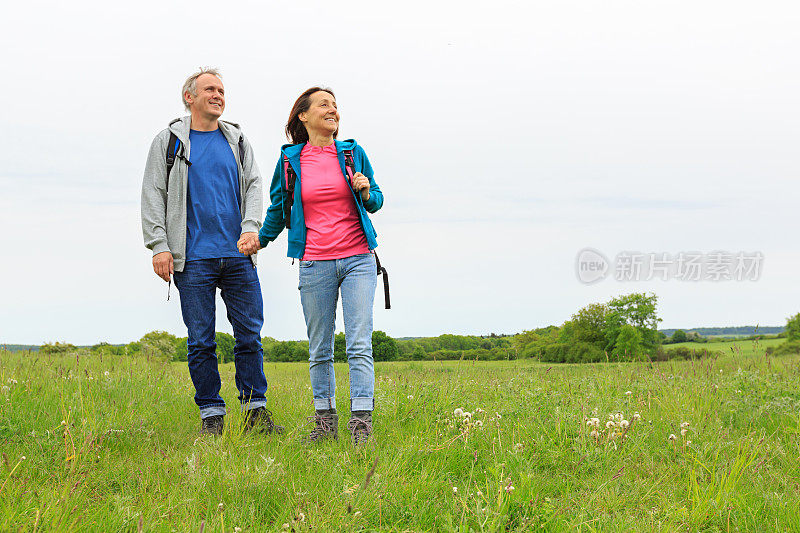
x,y
320,282
241,292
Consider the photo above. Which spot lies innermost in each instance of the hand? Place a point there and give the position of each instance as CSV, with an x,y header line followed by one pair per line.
x,y
361,183
163,265
248,243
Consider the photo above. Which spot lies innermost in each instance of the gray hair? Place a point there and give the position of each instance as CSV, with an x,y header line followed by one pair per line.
x,y
190,85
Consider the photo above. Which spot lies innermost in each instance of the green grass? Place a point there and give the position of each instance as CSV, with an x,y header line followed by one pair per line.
x,y
737,347
127,455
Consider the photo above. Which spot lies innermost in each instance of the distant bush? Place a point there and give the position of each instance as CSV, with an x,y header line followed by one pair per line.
x,y
786,348
682,352
57,347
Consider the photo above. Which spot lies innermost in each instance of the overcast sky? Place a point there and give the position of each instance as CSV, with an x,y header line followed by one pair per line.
x,y
506,136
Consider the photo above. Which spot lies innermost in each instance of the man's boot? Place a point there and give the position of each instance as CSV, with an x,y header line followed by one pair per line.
x,y
212,425
360,426
326,426
260,420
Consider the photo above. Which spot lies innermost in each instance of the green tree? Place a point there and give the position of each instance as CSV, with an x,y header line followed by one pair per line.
x,y
418,354
637,310
629,345
225,343
158,344
679,336
339,348
793,328
384,348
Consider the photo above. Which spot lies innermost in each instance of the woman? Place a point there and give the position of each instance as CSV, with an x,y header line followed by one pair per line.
x,y
323,201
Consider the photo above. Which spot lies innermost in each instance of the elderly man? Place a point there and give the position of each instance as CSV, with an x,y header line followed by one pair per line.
x,y
201,204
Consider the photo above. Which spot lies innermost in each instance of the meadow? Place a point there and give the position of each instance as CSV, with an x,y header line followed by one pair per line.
x,y
110,443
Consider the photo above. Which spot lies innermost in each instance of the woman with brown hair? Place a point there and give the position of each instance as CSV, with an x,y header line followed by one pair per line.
x,y
321,191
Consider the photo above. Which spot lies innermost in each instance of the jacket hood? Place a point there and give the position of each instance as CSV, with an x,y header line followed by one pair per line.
x,y
180,127
293,150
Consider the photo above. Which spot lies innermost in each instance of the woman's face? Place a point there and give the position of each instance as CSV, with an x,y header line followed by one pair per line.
x,y
322,116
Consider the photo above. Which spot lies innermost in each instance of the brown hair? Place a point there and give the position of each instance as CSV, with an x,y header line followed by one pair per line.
x,y
295,130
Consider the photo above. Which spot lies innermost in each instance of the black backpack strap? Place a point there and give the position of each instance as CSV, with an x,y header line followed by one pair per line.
x,y
172,149
241,151
288,200
382,271
349,162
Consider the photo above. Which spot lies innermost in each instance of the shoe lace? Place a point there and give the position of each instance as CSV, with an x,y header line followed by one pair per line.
x,y
359,427
322,424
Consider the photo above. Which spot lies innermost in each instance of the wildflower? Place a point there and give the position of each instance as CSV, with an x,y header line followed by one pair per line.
x,y
106,373
22,458
357,514
479,410
618,416
12,381
301,517
509,488
237,530
672,436
610,424
684,424
285,526
467,414
628,393
594,433
478,423
410,397
684,431
624,424
455,490
458,412
480,493
637,416
688,442
220,507
518,447
498,416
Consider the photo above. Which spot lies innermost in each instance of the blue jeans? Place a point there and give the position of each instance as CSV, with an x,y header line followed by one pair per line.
x,y
320,282
241,292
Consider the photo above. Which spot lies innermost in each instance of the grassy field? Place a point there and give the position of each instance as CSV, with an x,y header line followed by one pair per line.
x,y
91,444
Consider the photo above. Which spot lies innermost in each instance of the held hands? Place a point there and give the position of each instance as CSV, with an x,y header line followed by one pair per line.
x,y
361,183
163,265
248,243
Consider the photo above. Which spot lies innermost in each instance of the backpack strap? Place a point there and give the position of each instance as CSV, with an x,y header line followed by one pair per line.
x,y
382,271
349,162
288,199
172,149
241,151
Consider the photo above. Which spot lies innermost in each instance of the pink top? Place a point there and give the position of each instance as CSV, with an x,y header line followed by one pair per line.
x,y
333,228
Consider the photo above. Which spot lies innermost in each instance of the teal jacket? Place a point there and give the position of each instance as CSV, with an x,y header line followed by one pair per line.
x,y
274,221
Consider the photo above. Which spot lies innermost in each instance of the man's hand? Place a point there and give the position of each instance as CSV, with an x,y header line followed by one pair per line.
x,y
361,183
163,266
248,243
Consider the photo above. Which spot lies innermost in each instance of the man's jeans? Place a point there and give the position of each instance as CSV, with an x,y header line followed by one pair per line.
x,y
319,291
241,292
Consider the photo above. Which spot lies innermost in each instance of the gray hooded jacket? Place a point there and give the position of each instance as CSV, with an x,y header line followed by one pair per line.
x,y
164,204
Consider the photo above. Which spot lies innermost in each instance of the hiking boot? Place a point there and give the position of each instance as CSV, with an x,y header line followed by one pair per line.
x,y
212,425
326,426
360,426
260,420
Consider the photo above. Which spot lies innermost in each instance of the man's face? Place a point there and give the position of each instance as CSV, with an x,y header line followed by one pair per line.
x,y
210,99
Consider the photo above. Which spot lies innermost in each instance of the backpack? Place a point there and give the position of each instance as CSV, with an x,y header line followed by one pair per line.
x,y
288,200
175,149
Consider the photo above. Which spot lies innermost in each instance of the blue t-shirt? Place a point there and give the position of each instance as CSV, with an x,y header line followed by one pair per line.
x,y
213,215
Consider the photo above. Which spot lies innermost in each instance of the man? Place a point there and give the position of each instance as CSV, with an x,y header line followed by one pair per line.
x,y
196,216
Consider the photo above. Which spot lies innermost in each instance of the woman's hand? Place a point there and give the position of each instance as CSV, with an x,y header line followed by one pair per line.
x,y
248,243
361,183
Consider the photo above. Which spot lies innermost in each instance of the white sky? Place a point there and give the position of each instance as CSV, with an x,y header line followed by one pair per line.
x,y
507,136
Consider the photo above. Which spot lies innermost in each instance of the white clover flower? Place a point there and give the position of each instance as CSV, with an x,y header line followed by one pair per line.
x,y
637,416
618,416
458,412
688,442
518,447
624,424
684,431
410,397
220,507
22,458
106,373
628,393
590,422
596,422
672,436
499,416
684,424
509,488
467,414
479,410
478,423
594,433
301,517
285,526
610,424
455,490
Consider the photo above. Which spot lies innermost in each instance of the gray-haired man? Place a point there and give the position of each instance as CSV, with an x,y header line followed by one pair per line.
x,y
195,218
